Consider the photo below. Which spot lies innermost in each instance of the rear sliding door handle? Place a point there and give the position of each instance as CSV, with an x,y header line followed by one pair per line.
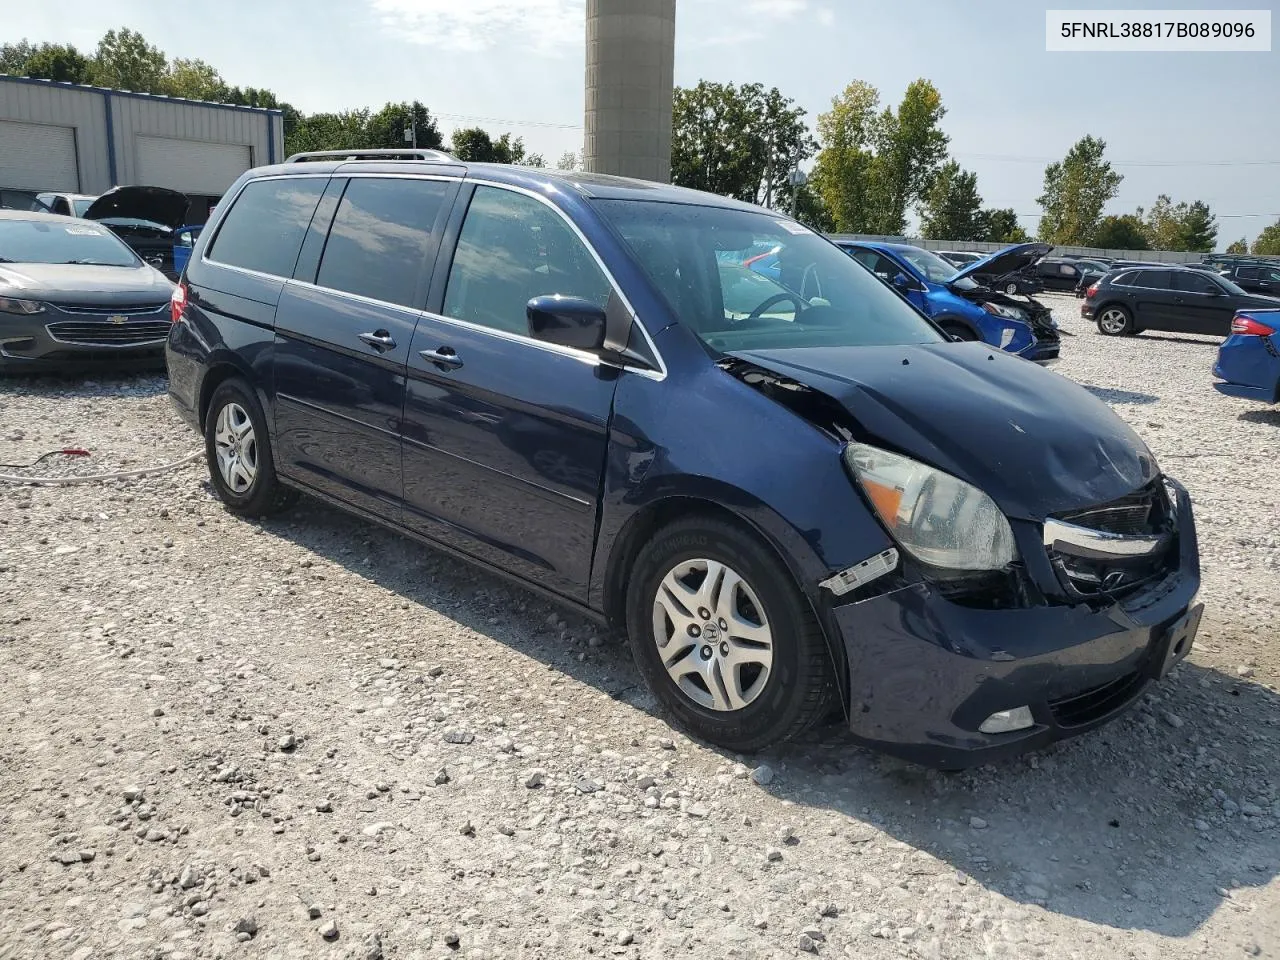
x,y
446,358
380,340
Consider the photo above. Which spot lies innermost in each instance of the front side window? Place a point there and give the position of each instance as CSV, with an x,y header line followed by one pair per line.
x,y
58,241
821,297
1191,281
380,237
264,229
929,264
513,248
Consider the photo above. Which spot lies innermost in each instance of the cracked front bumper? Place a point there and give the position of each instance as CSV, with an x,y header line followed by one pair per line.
x,y
924,671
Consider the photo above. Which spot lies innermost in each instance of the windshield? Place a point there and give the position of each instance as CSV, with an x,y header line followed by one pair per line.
x,y
932,266
59,241
695,257
1227,282
81,204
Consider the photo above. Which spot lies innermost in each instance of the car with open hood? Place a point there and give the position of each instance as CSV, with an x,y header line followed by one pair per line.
x,y
73,295
146,218
794,497
954,299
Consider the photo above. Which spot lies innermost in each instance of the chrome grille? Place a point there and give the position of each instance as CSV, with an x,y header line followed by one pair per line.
x,y
104,333
1128,515
127,310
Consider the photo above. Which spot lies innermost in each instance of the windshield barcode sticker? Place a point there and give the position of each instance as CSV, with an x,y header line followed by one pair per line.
x,y
792,227
83,232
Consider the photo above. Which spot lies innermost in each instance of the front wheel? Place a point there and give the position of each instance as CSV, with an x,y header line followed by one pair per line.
x,y
724,639
958,331
238,451
1115,321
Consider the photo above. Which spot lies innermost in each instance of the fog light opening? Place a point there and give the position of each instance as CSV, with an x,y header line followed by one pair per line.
x,y
1007,721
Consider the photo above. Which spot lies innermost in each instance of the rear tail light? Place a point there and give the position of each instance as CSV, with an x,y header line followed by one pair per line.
x,y
178,302
1092,291
1249,327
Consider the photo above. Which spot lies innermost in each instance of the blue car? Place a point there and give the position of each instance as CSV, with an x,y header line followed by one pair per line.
x,y
795,498
1249,360
955,299
184,238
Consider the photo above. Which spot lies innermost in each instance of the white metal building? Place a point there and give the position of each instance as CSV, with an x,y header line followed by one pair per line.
x,y
78,139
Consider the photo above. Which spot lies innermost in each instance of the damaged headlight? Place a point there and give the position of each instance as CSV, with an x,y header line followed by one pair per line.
x,y
939,519
1006,311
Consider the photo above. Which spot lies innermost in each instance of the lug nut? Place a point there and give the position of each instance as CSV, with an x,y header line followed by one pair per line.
x,y
724,648
706,653
704,613
695,630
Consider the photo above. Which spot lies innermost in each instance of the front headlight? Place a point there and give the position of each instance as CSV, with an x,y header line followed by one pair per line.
x,y
939,519
1004,310
10,305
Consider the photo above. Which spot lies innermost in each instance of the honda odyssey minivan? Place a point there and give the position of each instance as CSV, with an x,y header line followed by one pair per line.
x,y
796,496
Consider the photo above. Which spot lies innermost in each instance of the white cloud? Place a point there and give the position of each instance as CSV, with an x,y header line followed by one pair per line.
x,y
777,9
547,26
826,16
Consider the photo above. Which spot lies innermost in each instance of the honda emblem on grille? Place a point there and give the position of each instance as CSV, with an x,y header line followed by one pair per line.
x,y
1113,580
117,319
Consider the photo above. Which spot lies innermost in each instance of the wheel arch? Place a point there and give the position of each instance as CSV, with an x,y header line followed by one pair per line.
x,y
220,368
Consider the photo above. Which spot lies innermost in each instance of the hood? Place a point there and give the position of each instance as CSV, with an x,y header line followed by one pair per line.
x,y
157,204
1008,260
1257,301
84,284
1034,441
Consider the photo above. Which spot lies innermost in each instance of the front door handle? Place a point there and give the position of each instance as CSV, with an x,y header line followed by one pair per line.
x,y
380,340
446,358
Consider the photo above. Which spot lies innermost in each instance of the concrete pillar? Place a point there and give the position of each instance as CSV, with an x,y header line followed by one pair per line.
x,y
630,78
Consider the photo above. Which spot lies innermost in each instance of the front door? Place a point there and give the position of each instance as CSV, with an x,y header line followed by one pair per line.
x,y
1200,304
342,340
505,436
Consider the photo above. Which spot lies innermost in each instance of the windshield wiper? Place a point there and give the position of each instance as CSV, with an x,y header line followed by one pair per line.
x,y
92,263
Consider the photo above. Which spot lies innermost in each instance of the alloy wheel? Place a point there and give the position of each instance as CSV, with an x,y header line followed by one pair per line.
x,y
236,447
1113,321
712,635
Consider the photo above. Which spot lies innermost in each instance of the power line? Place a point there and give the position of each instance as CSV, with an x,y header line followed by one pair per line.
x,y
1220,216
510,123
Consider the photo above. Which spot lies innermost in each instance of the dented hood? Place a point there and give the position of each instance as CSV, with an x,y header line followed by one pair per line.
x,y
1036,442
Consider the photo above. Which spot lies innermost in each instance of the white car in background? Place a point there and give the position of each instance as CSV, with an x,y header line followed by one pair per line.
x,y
67,204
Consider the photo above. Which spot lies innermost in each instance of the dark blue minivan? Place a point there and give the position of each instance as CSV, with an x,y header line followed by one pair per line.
x,y
798,497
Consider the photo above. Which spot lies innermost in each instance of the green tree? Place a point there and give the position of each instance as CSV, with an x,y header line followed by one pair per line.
x,y
1123,232
569,160
1267,242
348,130
952,209
1001,226
474,145
1075,191
14,57
1238,246
125,61
387,127
738,142
910,148
841,174
1180,226
195,80
58,61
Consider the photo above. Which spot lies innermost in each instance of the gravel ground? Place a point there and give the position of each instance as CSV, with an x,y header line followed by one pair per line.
x,y
311,738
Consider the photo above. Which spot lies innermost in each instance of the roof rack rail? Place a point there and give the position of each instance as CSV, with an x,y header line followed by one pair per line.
x,y
408,153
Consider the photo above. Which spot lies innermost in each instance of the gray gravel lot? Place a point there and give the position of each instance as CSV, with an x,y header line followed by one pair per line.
x,y
311,738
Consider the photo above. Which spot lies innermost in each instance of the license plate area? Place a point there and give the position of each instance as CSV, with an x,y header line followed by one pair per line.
x,y
1178,639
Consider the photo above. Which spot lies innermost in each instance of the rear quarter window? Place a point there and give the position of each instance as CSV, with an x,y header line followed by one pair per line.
x,y
264,229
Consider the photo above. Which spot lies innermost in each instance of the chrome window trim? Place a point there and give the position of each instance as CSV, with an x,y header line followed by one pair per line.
x,y
581,355
1090,544
595,255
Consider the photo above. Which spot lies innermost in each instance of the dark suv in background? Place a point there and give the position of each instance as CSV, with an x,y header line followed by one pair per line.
x,y
1177,299
1260,277
793,494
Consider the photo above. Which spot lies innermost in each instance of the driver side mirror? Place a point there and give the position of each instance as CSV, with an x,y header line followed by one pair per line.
x,y
567,321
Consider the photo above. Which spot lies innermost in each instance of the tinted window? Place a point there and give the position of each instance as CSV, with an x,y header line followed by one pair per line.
x,y
514,248
381,236
1193,281
1249,273
882,267
264,229
1156,279
824,299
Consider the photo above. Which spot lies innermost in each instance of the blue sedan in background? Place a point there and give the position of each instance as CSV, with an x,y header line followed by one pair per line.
x,y
961,305
1249,360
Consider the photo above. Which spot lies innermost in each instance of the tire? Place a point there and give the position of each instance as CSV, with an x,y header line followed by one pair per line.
x,y
1115,321
953,329
238,453
753,705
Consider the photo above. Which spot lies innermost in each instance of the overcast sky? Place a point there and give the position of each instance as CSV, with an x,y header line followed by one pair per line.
x,y
1193,125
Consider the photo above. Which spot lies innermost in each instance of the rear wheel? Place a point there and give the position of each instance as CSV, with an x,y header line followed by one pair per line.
x,y
238,451
1115,321
957,330
723,637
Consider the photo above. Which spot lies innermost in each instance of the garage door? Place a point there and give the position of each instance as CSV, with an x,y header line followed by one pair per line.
x,y
191,166
37,156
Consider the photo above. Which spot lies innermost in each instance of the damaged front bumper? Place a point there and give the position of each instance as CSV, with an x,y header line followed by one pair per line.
x,y
925,670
